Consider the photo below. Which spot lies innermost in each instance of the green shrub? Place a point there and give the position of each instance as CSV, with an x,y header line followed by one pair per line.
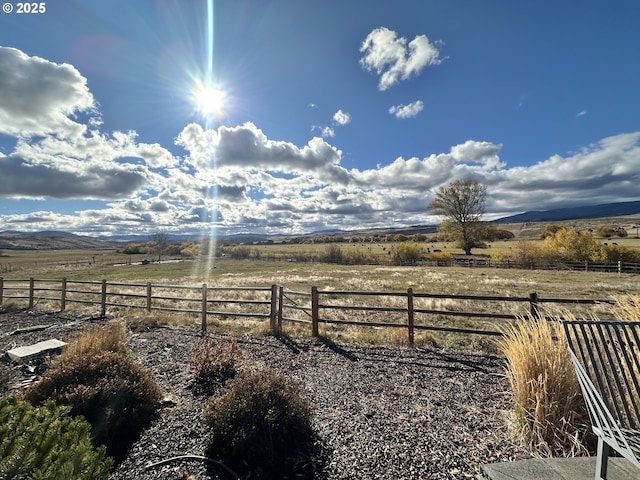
x,y
112,391
46,443
213,362
261,427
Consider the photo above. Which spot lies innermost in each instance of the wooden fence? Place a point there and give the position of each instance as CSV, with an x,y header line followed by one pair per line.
x,y
406,310
586,266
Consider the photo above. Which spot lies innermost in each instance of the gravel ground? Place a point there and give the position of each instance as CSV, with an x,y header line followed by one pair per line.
x,y
380,412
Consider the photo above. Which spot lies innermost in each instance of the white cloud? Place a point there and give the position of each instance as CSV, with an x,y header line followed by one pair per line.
x,y
93,166
485,153
328,132
263,185
582,113
393,59
39,96
243,180
407,111
341,118
247,147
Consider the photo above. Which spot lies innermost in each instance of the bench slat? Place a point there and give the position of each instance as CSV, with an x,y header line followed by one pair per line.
x,y
606,357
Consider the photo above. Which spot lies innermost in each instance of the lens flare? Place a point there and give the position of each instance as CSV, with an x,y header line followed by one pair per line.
x,y
209,100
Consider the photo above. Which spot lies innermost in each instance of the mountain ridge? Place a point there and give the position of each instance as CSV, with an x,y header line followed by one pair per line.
x,y
616,209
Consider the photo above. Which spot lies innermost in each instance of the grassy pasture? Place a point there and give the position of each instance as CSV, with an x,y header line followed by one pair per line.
x,y
382,250
79,265
300,276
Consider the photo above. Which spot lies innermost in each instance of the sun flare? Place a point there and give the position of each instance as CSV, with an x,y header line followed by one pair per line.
x,y
209,100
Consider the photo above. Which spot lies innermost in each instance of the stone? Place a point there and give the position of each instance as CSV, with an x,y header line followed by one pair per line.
x,y
40,349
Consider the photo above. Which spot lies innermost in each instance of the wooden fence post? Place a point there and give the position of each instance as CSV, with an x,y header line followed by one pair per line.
x,y
31,292
148,296
619,267
63,295
280,307
203,328
315,312
533,305
410,312
1,289
273,311
103,299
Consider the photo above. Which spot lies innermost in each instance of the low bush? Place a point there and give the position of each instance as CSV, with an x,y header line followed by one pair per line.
x,y
239,252
213,362
408,253
358,257
8,307
332,254
46,443
550,411
261,427
617,253
441,256
112,391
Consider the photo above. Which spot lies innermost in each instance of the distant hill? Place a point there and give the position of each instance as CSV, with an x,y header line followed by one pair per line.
x,y
575,213
48,240
56,240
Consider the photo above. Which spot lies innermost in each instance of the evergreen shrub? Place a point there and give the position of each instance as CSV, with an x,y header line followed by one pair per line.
x,y
46,443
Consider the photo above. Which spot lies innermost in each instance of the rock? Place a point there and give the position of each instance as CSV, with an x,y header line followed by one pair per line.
x,y
37,350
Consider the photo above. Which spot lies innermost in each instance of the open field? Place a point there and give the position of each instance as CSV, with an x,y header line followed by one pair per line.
x,y
89,264
301,276
76,265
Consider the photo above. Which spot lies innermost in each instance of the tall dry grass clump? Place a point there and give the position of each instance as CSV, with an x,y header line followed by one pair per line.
x,y
627,307
97,338
550,412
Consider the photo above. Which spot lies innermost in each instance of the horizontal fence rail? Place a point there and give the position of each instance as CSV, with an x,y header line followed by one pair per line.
x,y
408,310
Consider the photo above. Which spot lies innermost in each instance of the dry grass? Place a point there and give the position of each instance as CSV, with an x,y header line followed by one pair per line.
x,y
97,338
141,320
627,307
551,416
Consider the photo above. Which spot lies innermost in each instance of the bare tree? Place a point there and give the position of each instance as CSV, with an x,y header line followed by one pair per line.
x,y
160,242
462,205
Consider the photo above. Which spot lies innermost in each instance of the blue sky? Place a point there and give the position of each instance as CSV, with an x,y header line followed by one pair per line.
x,y
291,116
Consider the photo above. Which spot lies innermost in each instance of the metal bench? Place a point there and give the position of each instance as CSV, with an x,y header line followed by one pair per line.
x,y
606,357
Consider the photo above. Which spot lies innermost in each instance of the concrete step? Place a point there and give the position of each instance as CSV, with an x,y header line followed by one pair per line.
x,y
37,350
579,468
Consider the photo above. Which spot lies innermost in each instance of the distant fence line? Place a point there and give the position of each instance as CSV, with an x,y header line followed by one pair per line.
x,y
462,261
586,266
273,303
